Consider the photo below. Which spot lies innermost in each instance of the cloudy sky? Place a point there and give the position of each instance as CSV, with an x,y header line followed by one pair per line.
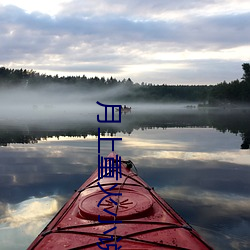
x,y
154,41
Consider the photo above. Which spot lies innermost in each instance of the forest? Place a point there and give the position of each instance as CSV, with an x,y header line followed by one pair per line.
x,y
224,93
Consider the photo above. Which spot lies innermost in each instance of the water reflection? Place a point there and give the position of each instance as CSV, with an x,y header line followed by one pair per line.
x,y
192,160
20,222
33,209
84,124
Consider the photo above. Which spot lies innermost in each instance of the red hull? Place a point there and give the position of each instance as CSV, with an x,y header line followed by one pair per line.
x,y
143,220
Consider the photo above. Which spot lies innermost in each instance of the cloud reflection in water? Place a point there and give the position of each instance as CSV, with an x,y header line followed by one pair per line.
x,y
199,171
28,217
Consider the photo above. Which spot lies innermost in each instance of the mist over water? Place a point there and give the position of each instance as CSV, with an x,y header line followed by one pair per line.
x,y
60,102
191,156
55,102
57,109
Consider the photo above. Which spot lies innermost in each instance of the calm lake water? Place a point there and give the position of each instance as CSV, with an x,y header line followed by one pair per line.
x,y
197,160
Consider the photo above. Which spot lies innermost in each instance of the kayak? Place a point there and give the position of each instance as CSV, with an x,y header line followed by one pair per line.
x,y
116,209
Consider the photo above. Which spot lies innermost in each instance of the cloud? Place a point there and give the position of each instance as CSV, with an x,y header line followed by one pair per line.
x,y
91,37
116,31
144,10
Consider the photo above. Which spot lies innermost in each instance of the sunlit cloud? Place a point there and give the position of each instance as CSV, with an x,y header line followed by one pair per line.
x,y
46,6
224,54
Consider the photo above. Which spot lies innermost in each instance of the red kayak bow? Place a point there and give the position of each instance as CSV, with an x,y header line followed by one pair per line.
x,y
117,211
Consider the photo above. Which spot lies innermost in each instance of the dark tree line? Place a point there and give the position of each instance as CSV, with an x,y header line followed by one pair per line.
x,y
237,91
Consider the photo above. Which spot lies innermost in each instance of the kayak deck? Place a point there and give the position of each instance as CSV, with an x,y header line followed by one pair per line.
x,y
118,214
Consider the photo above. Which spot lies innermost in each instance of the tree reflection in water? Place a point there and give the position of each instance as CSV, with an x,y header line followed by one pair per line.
x,y
234,121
